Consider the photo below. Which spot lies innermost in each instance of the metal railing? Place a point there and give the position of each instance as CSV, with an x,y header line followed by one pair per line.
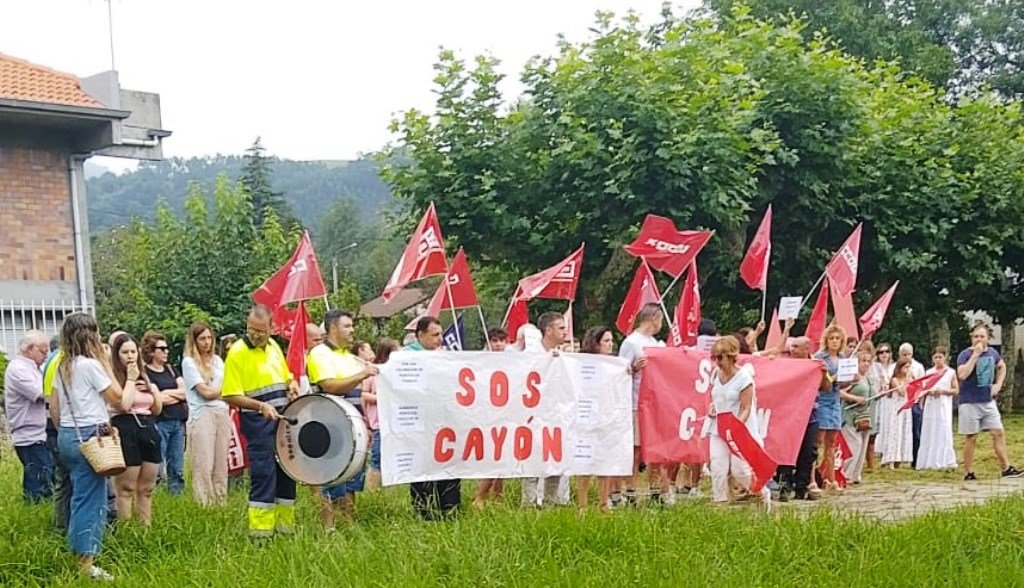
x,y
18,316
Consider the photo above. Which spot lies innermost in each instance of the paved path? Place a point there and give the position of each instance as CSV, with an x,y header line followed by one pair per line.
x,y
894,501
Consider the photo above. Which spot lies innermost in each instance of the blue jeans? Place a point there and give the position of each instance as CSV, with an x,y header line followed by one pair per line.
x,y
172,440
375,450
88,494
37,479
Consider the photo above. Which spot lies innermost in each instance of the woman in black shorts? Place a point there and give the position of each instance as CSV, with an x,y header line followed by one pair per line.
x,y
135,420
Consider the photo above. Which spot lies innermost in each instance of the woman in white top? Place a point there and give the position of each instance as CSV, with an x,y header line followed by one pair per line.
x,y
879,376
732,391
898,442
936,450
209,422
81,391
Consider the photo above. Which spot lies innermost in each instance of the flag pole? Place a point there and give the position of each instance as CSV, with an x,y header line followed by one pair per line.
x,y
487,340
572,327
811,292
327,305
451,301
764,301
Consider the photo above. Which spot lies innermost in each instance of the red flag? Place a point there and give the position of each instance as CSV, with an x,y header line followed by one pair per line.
x,y
816,324
915,387
643,290
518,315
754,267
666,248
297,346
842,305
871,321
840,453
842,270
298,279
774,332
743,445
461,283
687,314
558,281
424,255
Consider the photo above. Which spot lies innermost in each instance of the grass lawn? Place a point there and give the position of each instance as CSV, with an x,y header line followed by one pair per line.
x,y
693,544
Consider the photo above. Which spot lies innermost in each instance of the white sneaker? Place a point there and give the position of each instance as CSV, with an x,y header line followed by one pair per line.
x,y
670,498
98,573
695,493
766,496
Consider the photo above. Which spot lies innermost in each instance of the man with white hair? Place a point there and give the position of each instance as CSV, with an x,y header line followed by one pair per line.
x,y
26,413
916,412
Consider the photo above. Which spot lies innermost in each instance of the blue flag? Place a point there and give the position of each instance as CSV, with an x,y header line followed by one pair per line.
x,y
451,341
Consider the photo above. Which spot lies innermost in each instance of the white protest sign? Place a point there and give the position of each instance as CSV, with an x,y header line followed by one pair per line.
x,y
473,414
847,369
789,307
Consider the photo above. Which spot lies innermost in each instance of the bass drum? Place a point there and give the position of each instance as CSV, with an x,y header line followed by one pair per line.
x,y
322,440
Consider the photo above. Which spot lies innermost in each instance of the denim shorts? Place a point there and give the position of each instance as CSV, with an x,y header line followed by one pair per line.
x,y
352,486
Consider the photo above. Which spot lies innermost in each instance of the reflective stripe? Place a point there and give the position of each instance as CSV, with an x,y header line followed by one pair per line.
x,y
284,502
261,505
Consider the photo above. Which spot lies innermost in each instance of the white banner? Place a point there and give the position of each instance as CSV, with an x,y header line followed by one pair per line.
x,y
479,414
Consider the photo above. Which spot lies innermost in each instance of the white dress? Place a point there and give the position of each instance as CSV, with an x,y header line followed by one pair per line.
x,y
880,375
936,450
897,433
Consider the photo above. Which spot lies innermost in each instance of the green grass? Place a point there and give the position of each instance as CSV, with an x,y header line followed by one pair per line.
x,y
692,544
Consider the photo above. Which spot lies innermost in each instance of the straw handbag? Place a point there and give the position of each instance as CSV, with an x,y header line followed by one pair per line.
x,y
103,452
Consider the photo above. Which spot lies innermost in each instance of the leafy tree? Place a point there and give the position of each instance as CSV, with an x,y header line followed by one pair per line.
x,y
256,179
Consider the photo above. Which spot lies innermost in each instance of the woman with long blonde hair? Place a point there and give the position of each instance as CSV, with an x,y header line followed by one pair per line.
x,y
209,424
829,411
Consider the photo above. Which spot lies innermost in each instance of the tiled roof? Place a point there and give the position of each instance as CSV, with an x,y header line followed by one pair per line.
x,y
21,80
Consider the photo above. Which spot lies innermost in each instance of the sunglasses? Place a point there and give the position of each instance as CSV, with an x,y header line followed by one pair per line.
x,y
881,351
161,348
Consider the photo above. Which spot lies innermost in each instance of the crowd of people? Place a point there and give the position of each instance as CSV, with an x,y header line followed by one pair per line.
x,y
61,393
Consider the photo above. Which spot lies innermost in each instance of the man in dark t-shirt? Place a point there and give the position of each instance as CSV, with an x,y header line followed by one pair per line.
x,y
981,372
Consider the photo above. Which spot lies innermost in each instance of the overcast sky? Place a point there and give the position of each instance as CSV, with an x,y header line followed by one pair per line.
x,y
317,79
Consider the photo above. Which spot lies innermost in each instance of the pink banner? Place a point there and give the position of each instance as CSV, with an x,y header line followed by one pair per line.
x,y
676,390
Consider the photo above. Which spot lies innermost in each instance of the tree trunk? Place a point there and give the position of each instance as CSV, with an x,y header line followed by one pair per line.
x,y
938,333
1018,383
1009,353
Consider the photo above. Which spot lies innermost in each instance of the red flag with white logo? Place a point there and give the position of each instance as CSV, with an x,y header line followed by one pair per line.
x,y
665,247
558,281
915,387
643,290
296,357
423,256
842,270
298,279
743,445
872,320
754,267
461,283
687,314
819,314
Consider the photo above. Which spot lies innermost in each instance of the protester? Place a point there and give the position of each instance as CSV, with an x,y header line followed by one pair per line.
x,y
257,382
857,417
982,373
334,370
600,341
828,410
384,350
880,375
937,450
25,408
497,340
440,498
851,346
800,479
732,392
135,421
916,371
897,444
171,422
648,324
83,386
209,421
61,475
553,490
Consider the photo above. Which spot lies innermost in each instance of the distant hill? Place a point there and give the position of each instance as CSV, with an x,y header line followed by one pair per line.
x,y
310,187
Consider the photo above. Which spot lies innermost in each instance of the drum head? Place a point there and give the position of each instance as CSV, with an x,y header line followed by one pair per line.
x,y
319,447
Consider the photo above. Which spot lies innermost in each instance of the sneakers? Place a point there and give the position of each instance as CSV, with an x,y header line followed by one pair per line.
x,y
1012,472
813,492
630,497
615,501
766,497
785,493
670,498
98,573
970,477
695,493
655,499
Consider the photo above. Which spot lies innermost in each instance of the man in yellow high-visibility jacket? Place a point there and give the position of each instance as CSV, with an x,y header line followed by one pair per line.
x,y
257,382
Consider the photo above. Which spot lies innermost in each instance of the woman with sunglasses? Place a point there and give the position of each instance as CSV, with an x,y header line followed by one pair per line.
x,y
898,444
135,420
881,372
732,391
171,423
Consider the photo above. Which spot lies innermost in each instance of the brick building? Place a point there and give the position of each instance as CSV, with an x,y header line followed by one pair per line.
x,y
50,123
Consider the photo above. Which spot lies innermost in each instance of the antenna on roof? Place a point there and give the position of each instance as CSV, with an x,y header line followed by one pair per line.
x,y
110,30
